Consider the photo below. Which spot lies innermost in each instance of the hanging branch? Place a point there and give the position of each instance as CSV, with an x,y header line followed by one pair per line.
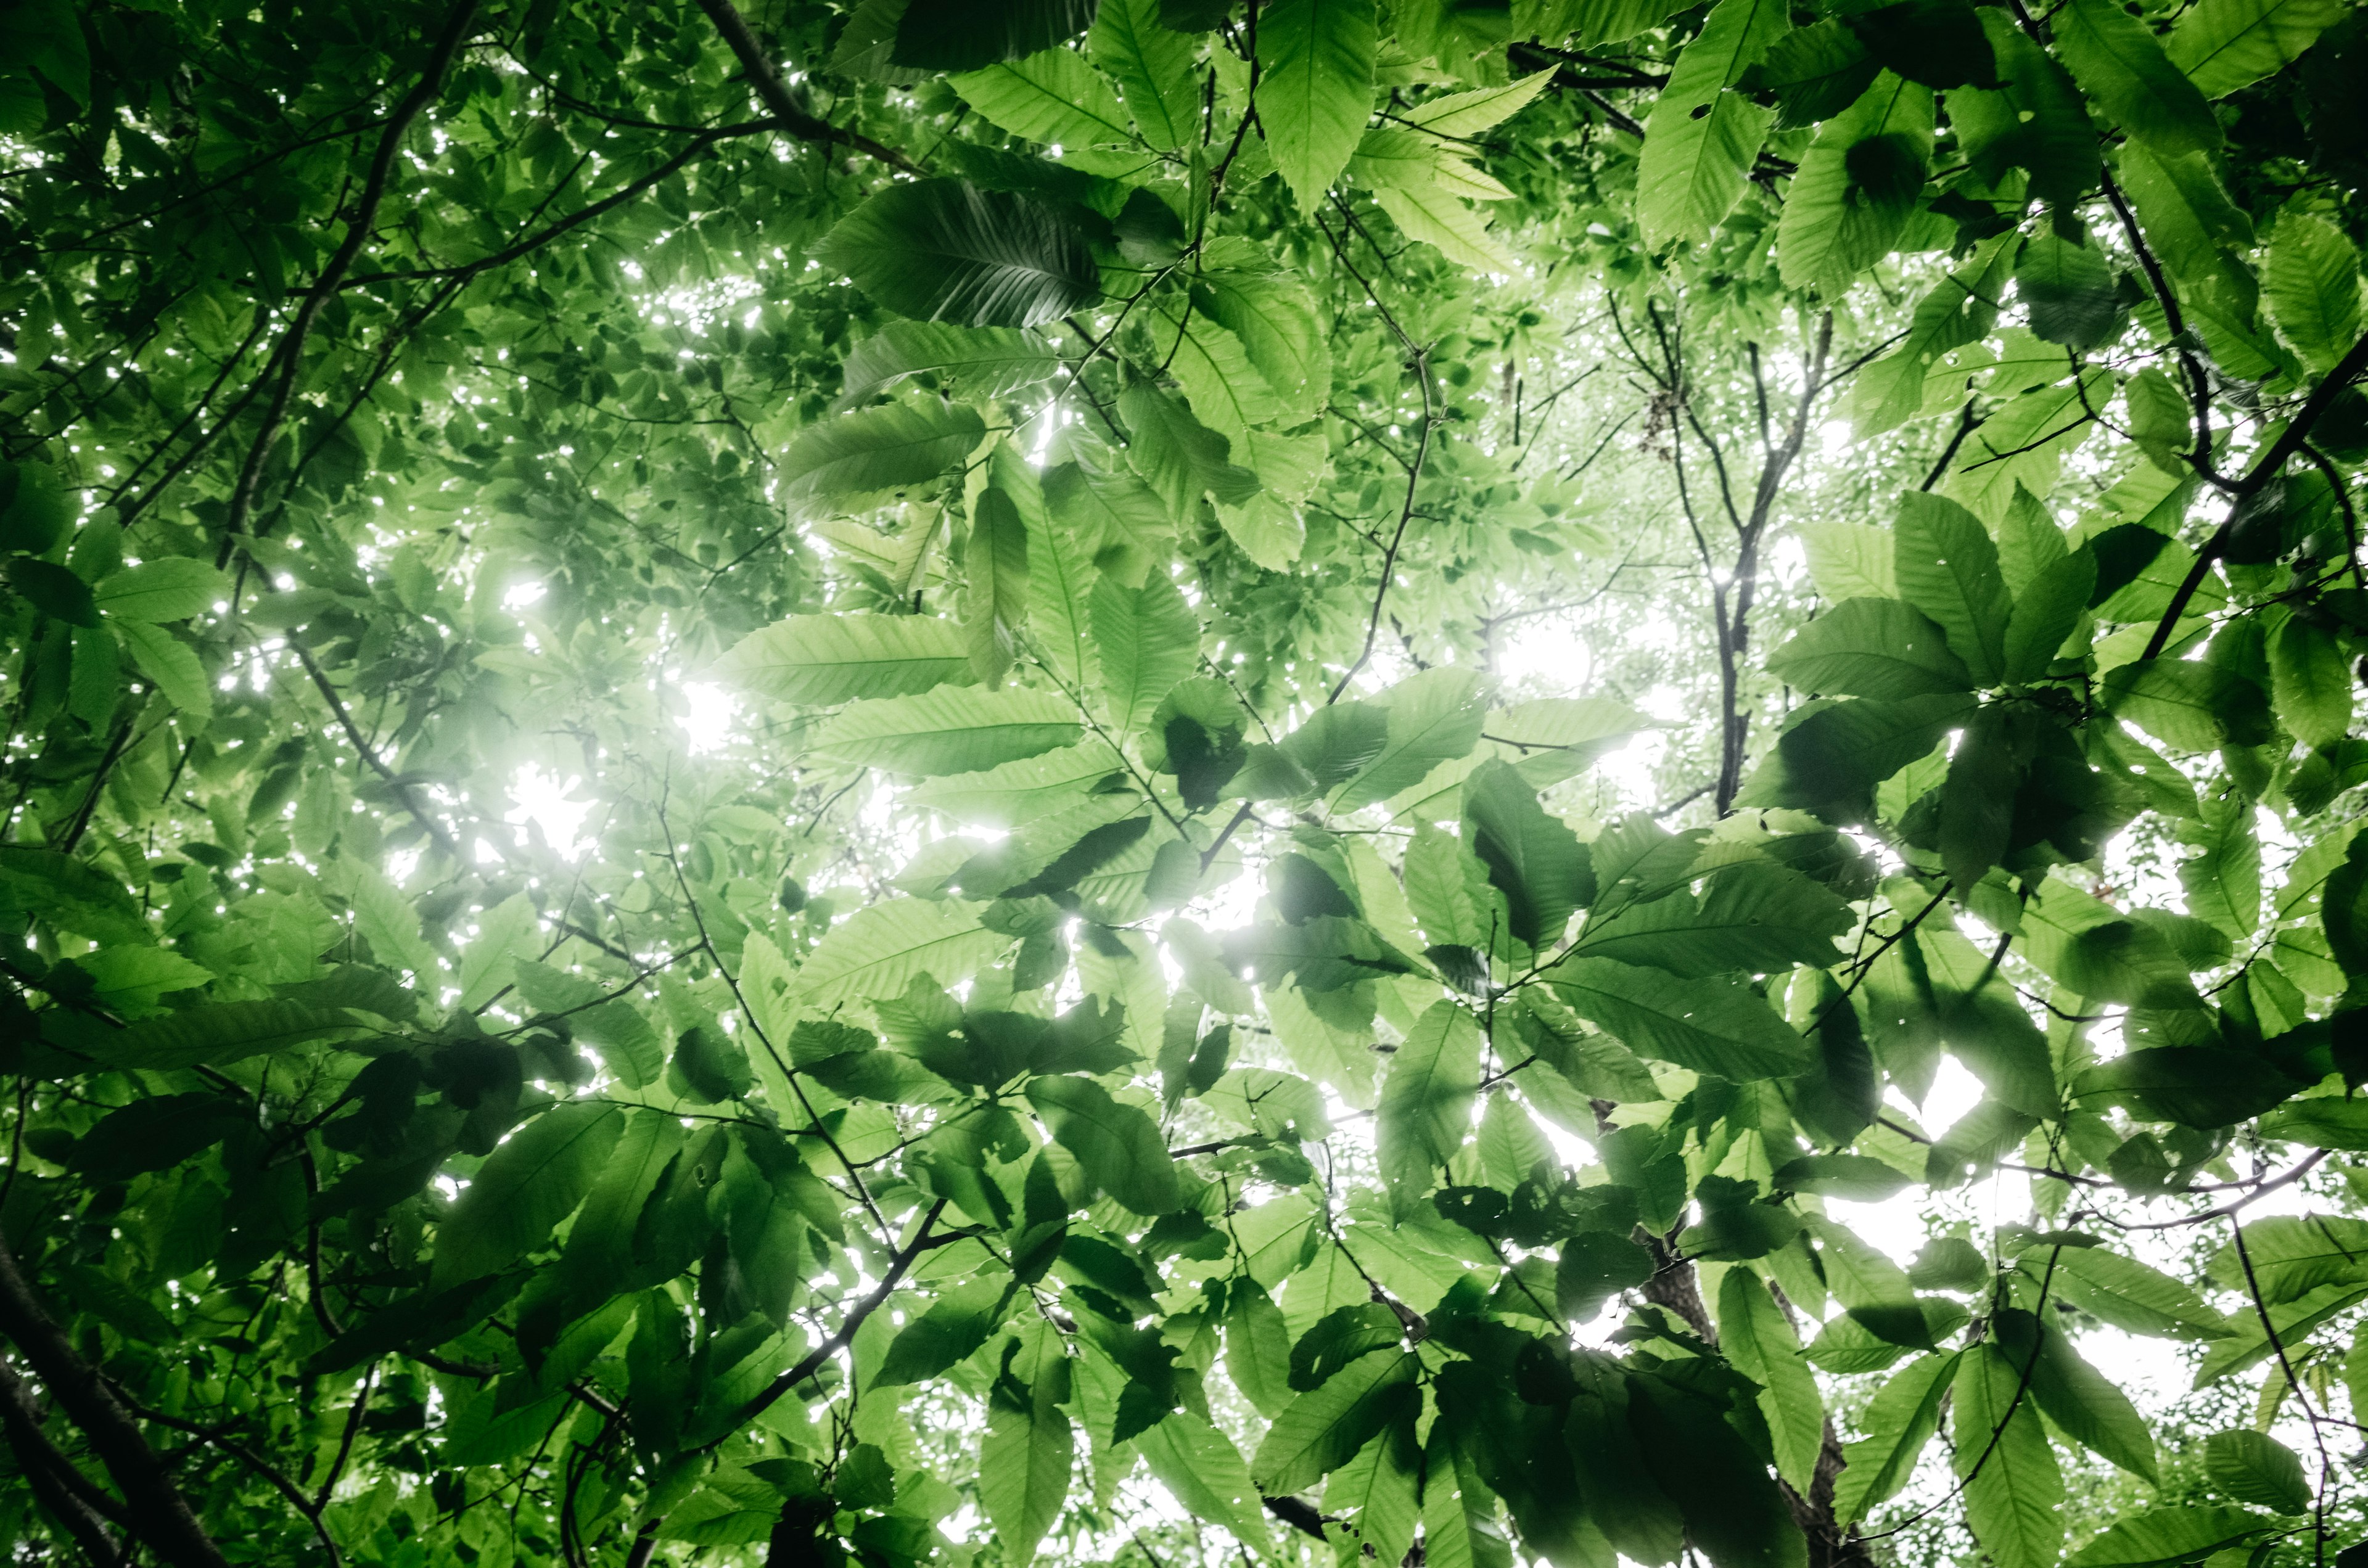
x,y
164,1517
288,358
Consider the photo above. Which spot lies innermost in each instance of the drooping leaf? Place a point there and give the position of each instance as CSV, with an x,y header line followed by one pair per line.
x,y
2013,1500
1117,1147
1709,1025
945,250
879,449
828,659
2223,45
982,361
942,731
525,1188
939,35
1051,96
1425,1110
1316,89
1321,1430
2118,62
1871,648
1701,140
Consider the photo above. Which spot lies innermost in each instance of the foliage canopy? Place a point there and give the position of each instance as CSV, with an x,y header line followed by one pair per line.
x,y
1401,684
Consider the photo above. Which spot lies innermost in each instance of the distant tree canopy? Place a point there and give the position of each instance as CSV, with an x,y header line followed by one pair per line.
x,y
1198,780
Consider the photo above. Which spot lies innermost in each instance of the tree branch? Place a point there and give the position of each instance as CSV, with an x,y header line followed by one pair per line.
x,y
775,93
2348,369
165,1520
289,358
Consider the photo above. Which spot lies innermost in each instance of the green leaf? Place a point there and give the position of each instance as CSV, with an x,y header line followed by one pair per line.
x,y
1871,648
996,586
128,980
2311,682
983,361
2312,287
504,932
2120,63
1022,791
216,1035
2132,1296
958,34
1532,859
1948,568
1376,1494
599,1250
1053,97
1179,457
1340,1337
1959,310
1225,390
1939,43
1978,797
870,450
2036,119
1425,1110
2293,1321
946,731
944,250
2184,703
1324,1428
877,951
2253,1467
1029,1450
173,664
54,591
1435,716
1148,639
2319,1124
2014,1499
35,510
2045,613
1717,1477
828,659
2195,1086
525,1188
2223,45
1117,1147
1849,561
2343,908
152,1135
1758,1339
2163,1536
1856,1178
1856,187
1316,88
2068,290
1439,218
1752,915
1709,1025
2075,1395
1201,1466
1152,67
173,587
1596,1265
1273,315
1702,139
1898,1422
1469,114
1816,73
951,1331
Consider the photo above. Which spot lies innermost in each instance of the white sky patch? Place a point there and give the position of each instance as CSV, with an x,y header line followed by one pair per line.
x,y
541,798
710,714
